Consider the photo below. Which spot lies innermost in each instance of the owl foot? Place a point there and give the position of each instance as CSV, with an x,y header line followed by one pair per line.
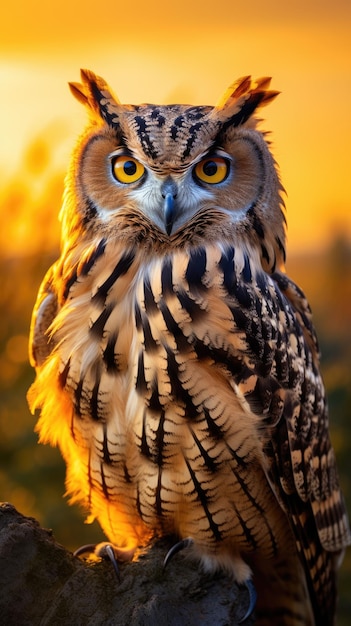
x,y
248,585
252,600
184,543
103,551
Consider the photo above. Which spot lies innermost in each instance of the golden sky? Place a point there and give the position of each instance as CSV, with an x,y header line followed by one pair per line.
x,y
190,52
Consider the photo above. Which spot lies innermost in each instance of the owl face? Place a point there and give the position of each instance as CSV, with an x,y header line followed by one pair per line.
x,y
176,174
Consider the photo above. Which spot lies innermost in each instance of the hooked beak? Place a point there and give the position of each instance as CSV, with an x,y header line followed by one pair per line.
x,y
169,212
169,194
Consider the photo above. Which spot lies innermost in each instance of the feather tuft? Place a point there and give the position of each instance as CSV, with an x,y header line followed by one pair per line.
x,y
241,99
94,93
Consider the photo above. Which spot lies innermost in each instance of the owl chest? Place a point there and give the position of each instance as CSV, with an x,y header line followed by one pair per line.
x,y
143,358
114,346
160,429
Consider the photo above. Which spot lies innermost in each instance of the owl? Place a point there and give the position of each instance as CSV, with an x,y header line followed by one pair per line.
x,y
177,366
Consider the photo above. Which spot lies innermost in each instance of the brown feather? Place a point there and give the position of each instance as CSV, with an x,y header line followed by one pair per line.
x,y
177,366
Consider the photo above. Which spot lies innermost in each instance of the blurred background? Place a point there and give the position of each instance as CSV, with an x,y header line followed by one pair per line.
x,y
157,52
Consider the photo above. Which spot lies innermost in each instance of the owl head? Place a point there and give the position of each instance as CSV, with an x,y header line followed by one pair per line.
x,y
168,176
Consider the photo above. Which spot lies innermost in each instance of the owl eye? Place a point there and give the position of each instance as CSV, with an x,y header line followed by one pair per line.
x,y
212,170
126,169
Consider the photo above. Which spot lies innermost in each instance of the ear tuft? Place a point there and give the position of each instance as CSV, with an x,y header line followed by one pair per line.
x,y
78,92
95,94
241,99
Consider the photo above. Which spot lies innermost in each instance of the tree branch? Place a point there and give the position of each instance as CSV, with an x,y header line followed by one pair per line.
x,y
43,583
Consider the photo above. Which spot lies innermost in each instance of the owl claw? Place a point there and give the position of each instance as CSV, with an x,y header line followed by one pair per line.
x,y
184,543
252,600
107,552
88,548
249,586
102,550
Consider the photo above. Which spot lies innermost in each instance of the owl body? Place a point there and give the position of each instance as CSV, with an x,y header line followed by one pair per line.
x,y
177,365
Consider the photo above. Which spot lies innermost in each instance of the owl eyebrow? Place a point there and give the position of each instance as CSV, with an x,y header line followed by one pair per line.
x,y
123,150
213,150
119,150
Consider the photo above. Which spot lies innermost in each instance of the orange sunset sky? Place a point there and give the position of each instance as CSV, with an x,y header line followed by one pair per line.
x,y
190,52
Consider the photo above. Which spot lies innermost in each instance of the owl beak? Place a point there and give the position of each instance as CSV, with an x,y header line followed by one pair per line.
x,y
169,212
169,194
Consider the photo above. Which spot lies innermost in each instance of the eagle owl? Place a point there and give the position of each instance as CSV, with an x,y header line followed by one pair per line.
x,y
177,366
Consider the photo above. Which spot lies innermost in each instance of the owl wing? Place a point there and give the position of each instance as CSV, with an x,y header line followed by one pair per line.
x,y
303,466
44,312
259,327
311,460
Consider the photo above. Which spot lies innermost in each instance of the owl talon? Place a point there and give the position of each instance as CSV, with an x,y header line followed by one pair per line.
x,y
184,543
88,548
107,552
252,600
102,550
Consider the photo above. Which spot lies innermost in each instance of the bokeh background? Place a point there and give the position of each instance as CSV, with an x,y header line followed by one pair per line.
x,y
169,52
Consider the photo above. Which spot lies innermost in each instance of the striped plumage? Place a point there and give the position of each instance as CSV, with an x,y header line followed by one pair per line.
x,y
177,365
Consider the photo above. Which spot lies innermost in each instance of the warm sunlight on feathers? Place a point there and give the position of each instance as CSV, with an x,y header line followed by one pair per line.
x,y
177,366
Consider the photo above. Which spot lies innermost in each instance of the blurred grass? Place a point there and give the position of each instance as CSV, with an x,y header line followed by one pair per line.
x,y
31,475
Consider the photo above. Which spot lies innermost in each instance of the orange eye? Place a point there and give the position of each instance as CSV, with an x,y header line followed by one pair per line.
x,y
212,170
126,169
